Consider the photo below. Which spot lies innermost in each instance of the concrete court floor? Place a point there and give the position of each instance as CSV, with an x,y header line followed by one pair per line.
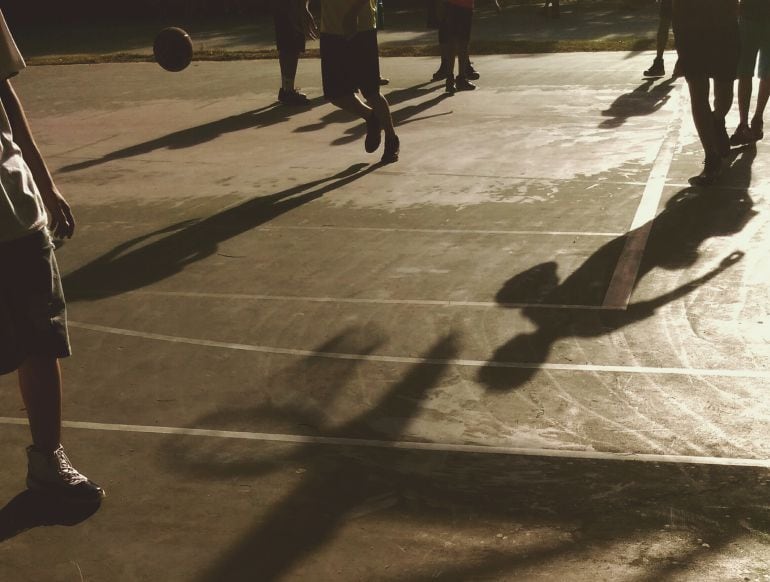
x,y
526,351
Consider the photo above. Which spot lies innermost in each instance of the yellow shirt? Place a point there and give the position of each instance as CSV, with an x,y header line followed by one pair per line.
x,y
333,13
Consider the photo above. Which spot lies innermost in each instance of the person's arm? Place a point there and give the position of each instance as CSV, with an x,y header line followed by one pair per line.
x,y
60,216
303,18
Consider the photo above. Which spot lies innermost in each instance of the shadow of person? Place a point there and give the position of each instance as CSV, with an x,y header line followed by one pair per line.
x,y
193,136
30,509
646,99
130,266
332,486
675,236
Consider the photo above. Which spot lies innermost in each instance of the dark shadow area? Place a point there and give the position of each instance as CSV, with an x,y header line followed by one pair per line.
x,y
194,136
394,98
132,266
555,510
332,487
646,99
689,218
30,509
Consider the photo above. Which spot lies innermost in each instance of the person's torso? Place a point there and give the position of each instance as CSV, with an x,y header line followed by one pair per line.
x,y
333,13
755,10
704,14
21,207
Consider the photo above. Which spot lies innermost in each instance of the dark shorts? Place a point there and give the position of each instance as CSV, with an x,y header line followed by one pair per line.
x,y
350,65
711,52
457,21
32,309
287,37
665,9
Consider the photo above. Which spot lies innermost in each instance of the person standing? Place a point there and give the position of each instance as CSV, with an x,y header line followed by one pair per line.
x,y
33,326
293,25
755,41
708,46
350,62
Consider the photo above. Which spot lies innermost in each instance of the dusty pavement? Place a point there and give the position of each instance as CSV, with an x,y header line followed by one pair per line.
x,y
526,351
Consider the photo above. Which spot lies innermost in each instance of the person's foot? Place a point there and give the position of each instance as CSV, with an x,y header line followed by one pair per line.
x,y
742,135
677,70
52,473
657,69
723,138
757,128
373,134
463,84
712,168
471,73
449,85
384,81
292,97
392,150
440,74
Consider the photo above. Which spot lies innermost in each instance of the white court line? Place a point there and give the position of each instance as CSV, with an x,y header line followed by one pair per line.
x,y
406,445
591,368
363,301
448,231
624,278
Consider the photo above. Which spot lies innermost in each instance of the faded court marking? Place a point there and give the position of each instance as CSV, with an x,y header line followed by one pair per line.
x,y
407,445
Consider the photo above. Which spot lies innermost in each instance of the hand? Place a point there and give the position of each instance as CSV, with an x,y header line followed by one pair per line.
x,y
60,219
309,27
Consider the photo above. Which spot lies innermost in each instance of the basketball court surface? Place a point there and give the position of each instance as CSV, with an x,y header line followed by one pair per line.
x,y
526,351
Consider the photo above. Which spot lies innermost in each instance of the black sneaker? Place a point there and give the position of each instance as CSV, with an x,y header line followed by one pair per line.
x,y
471,73
723,138
757,128
449,85
292,97
52,473
657,69
742,135
373,134
463,84
384,81
392,149
440,74
712,168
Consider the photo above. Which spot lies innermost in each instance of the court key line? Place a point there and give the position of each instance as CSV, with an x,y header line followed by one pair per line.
x,y
626,273
592,368
407,445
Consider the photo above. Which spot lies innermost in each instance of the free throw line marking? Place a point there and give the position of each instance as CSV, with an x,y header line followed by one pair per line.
x,y
406,445
591,368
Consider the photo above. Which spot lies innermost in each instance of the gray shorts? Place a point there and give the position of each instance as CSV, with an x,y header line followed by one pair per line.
x,y
32,308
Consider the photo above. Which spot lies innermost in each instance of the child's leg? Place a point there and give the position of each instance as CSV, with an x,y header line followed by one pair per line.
x,y
352,104
379,105
702,115
40,384
288,61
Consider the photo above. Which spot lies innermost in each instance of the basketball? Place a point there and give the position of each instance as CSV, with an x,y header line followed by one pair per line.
x,y
173,49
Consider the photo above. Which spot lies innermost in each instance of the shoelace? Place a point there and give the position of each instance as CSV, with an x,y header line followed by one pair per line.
x,y
65,468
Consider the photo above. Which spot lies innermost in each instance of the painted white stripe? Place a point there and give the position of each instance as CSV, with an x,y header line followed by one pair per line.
x,y
448,231
591,368
624,278
358,300
406,445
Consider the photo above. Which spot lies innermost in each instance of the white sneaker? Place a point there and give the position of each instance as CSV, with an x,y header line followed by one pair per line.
x,y
53,473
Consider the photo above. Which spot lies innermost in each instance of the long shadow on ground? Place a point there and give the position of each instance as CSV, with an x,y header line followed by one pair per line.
x,y
131,266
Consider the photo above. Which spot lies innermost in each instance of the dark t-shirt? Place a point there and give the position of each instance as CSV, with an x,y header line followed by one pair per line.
x,y
704,14
755,10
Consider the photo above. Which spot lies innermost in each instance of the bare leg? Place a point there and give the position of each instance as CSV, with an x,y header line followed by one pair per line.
x,y
702,115
381,109
41,387
353,104
664,24
744,99
762,97
288,62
